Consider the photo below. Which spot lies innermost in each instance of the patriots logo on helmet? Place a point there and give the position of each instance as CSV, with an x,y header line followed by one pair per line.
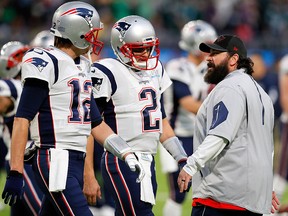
x,y
122,27
83,12
38,62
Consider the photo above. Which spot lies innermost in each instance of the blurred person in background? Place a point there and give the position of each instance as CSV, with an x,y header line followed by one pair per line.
x,y
281,176
182,101
268,80
11,55
42,39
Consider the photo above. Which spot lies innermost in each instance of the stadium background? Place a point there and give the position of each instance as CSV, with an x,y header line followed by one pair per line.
x,y
262,24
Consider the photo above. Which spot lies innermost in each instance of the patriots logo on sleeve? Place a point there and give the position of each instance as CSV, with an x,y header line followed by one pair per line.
x,y
97,83
122,27
37,62
220,113
83,12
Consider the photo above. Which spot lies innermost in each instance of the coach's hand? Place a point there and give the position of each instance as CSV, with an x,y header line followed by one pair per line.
x,y
135,166
14,188
181,164
184,181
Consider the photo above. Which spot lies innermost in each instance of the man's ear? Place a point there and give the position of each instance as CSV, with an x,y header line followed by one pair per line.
x,y
233,60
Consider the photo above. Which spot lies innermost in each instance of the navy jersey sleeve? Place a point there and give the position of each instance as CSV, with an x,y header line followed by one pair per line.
x,y
96,118
34,92
162,108
180,89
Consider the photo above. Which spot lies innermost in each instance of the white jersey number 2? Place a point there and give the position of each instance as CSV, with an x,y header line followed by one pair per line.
x,y
150,124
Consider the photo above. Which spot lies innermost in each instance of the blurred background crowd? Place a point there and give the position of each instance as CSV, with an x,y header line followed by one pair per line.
x,y
262,24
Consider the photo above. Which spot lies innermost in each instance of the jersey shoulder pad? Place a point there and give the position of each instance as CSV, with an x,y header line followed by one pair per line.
x,y
38,63
37,58
108,66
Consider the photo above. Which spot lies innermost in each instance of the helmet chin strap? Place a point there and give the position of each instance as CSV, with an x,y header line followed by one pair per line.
x,y
89,55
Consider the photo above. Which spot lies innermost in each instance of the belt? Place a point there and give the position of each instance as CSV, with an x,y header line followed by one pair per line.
x,y
73,154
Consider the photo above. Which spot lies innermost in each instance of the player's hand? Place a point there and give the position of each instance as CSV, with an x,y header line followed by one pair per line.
x,y
29,153
14,188
184,181
135,166
91,189
275,203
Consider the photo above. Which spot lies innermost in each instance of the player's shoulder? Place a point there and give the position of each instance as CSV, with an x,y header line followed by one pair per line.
x,y
108,65
40,57
107,62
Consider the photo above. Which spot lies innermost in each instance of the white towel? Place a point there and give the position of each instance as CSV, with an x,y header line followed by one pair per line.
x,y
58,169
147,194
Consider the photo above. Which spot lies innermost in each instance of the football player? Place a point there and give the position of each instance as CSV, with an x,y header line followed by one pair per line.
x,y
56,104
128,91
11,55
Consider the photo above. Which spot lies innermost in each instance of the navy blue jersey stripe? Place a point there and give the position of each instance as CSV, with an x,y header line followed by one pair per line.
x,y
46,127
109,74
110,116
56,68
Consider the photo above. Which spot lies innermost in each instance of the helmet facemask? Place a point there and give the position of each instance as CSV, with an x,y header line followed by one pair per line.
x,y
91,37
137,53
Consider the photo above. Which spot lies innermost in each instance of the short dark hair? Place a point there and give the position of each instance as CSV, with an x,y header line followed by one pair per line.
x,y
62,42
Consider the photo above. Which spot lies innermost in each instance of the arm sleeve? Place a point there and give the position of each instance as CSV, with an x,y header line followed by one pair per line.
x,y
210,148
34,92
162,107
96,118
101,103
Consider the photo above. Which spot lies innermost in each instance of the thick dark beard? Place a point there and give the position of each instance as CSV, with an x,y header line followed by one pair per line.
x,y
216,74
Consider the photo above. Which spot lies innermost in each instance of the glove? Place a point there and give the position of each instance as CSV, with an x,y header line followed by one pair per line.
x,y
181,164
14,187
29,153
135,166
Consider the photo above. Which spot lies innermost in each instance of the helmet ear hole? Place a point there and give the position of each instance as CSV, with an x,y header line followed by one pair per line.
x,y
82,36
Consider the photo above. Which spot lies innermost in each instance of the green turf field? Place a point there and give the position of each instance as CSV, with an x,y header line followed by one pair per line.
x,y
160,199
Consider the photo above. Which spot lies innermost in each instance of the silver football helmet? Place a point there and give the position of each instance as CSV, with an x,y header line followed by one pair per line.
x,y
134,34
80,23
11,55
43,39
195,32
